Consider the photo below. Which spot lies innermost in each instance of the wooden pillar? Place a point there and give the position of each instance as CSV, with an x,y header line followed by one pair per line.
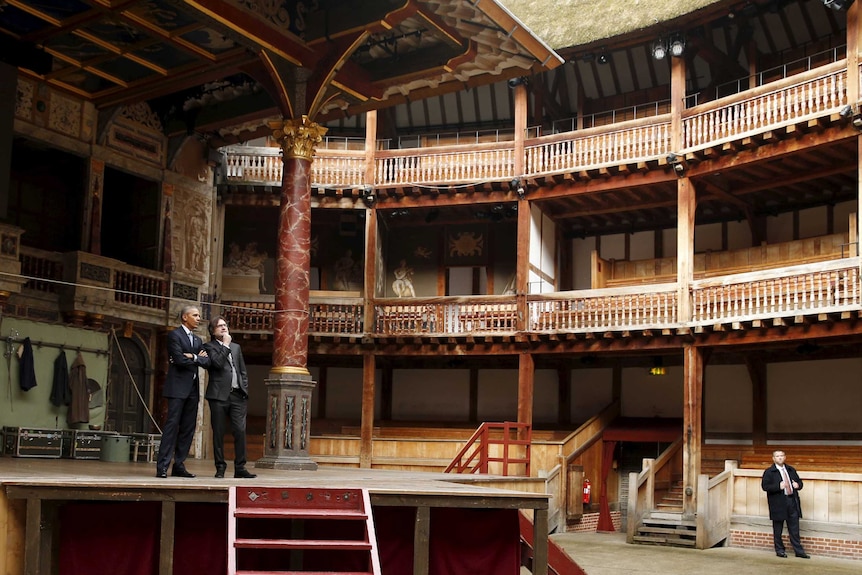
x,y
564,395
422,541
520,113
687,203
526,373
92,236
366,426
757,374
693,364
166,538
522,257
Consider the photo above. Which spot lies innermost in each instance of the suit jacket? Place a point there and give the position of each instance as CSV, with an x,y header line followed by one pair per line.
x,y
182,371
220,370
775,497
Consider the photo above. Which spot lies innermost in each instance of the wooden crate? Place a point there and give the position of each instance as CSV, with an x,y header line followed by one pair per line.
x,y
145,446
87,444
37,442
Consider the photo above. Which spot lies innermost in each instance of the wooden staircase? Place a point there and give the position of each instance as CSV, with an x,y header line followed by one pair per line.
x,y
665,524
292,531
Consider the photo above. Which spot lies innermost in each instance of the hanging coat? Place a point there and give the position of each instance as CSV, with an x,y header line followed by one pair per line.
x,y
61,394
27,371
79,410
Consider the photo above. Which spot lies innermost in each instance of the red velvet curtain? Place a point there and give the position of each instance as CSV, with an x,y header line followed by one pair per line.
x,y
107,538
605,522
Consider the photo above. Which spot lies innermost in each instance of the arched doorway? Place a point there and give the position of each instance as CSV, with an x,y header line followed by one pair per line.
x,y
129,369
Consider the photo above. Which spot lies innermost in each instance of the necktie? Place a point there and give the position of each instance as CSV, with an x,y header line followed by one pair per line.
x,y
192,340
788,489
233,381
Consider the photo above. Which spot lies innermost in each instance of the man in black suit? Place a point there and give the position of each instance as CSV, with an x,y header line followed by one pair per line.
x,y
185,356
782,485
227,394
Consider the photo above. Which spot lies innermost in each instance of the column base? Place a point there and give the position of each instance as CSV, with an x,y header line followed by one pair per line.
x,y
288,422
286,462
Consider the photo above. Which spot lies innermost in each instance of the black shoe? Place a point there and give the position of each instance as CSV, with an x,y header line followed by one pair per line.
x,y
181,472
781,554
161,473
219,474
244,474
803,555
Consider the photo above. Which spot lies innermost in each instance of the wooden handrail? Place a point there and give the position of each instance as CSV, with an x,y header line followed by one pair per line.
x,y
475,456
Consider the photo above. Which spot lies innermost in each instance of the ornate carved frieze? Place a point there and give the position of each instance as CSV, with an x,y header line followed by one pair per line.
x,y
95,273
65,115
24,100
184,291
142,114
190,231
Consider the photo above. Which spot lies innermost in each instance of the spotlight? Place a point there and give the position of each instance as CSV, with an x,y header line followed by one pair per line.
x,y
677,163
517,186
846,112
836,4
603,58
677,45
519,81
659,50
368,196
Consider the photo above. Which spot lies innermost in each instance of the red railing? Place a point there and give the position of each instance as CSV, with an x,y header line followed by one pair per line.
x,y
559,563
477,454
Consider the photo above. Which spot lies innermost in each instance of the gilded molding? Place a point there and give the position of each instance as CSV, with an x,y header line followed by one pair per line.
x,y
298,138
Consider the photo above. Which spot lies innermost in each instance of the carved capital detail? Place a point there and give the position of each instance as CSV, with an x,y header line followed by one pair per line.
x,y
298,138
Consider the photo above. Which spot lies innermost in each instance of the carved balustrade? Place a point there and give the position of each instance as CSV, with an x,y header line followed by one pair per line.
x,y
815,93
805,96
818,288
43,269
446,315
633,307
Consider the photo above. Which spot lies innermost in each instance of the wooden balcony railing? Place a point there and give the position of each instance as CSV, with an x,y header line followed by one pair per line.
x,y
451,164
632,307
805,96
825,287
769,107
326,315
141,287
446,316
46,269
623,143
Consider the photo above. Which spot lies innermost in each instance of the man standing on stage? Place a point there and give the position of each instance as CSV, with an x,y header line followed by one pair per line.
x,y
185,356
227,394
782,485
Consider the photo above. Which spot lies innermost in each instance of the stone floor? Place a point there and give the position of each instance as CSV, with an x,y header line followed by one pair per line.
x,y
609,554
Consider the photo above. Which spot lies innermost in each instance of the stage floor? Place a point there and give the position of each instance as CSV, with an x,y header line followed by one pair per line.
x,y
37,472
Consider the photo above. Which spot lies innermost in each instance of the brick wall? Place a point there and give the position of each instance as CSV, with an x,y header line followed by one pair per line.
x,y
588,522
840,548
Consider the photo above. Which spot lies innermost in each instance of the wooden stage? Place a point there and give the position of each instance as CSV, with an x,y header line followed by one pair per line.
x,y
35,490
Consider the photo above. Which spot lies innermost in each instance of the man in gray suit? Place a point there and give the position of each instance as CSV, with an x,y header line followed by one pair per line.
x,y
227,394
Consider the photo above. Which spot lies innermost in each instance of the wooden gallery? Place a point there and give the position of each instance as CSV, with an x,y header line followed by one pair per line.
x,y
499,269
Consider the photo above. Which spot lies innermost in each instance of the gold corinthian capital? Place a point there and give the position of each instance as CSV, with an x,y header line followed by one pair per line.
x,y
298,138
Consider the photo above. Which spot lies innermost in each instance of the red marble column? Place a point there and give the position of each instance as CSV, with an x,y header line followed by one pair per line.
x,y
297,139
289,385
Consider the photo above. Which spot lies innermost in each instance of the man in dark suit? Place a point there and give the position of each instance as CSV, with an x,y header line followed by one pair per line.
x,y
185,356
227,394
782,485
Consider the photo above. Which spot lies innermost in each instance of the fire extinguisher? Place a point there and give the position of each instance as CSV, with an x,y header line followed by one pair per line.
x,y
586,491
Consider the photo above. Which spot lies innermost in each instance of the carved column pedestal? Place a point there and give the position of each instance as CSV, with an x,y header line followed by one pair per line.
x,y
288,422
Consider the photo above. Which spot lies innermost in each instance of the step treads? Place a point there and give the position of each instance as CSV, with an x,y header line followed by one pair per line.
x,y
327,544
293,513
